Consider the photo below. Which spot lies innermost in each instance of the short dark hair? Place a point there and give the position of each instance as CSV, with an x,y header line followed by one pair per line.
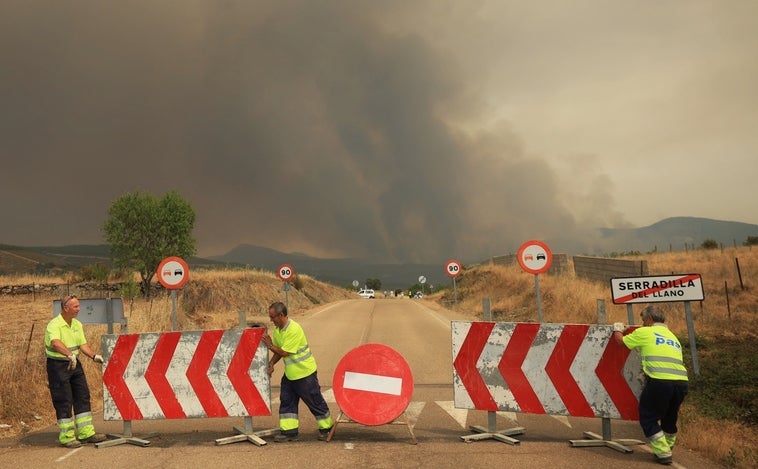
x,y
654,313
279,307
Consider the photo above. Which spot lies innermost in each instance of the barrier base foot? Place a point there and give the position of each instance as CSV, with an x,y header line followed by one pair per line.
x,y
125,439
503,436
246,435
347,419
593,439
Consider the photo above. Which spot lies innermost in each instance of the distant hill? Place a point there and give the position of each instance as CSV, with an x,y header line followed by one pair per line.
x,y
46,259
336,271
676,234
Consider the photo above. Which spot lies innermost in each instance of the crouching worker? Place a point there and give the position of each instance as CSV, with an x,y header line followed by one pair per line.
x,y
300,380
666,379
65,344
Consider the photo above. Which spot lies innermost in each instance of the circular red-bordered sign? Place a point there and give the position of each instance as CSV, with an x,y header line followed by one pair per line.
x,y
534,257
173,272
373,384
285,272
453,268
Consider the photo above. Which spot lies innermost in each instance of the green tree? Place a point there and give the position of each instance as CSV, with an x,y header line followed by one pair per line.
x,y
142,230
95,272
710,244
373,283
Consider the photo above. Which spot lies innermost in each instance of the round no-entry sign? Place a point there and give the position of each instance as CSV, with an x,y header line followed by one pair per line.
x,y
453,268
285,272
534,257
373,384
173,272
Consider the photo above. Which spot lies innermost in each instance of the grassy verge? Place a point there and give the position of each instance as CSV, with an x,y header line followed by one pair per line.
x,y
718,419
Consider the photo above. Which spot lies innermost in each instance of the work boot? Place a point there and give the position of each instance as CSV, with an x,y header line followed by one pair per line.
x,y
323,434
96,438
661,448
72,444
285,437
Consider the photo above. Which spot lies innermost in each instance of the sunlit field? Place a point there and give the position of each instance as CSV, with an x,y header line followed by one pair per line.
x,y
718,419
720,416
211,300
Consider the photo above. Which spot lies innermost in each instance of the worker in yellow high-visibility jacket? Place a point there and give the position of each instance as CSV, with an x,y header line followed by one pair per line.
x,y
666,379
65,344
300,379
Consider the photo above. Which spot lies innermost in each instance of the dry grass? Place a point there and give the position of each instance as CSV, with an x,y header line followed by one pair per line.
x,y
213,299
728,317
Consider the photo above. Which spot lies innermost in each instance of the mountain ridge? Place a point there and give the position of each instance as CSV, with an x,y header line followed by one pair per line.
x,y
674,233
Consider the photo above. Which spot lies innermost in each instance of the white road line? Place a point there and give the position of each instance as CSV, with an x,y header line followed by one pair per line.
x,y
70,453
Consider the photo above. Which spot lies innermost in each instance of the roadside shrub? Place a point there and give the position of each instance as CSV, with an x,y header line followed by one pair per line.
x,y
129,290
297,282
94,273
709,244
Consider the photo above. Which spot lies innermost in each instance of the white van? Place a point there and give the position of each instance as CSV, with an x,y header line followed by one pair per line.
x,y
366,293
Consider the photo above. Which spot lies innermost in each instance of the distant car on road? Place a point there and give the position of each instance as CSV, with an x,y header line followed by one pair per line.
x,y
366,293
418,294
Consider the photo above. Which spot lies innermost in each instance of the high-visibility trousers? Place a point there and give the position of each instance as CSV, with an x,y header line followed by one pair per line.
x,y
309,390
71,400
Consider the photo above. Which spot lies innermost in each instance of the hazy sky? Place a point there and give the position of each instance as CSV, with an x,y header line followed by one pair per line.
x,y
407,130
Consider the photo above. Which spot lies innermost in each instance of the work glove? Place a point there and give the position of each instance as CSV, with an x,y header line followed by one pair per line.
x,y
618,327
72,362
98,358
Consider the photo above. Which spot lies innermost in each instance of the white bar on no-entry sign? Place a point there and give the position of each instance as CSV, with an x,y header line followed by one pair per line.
x,y
373,383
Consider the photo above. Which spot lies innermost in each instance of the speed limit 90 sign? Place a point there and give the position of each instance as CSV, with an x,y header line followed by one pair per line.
x,y
453,268
285,272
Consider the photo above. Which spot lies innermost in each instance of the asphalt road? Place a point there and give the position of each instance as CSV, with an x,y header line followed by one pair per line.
x,y
423,337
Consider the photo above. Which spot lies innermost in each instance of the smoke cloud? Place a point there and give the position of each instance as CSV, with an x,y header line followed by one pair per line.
x,y
333,128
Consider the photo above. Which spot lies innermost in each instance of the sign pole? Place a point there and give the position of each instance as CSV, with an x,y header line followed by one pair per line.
x,y
539,298
693,345
455,292
173,310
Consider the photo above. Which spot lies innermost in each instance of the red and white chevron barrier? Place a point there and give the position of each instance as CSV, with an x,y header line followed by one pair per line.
x,y
175,375
557,369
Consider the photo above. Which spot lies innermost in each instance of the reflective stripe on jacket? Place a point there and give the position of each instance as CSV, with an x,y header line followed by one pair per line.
x,y
300,361
72,336
661,352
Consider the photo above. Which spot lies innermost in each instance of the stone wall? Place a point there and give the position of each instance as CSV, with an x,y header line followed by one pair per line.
x,y
602,269
57,290
560,264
